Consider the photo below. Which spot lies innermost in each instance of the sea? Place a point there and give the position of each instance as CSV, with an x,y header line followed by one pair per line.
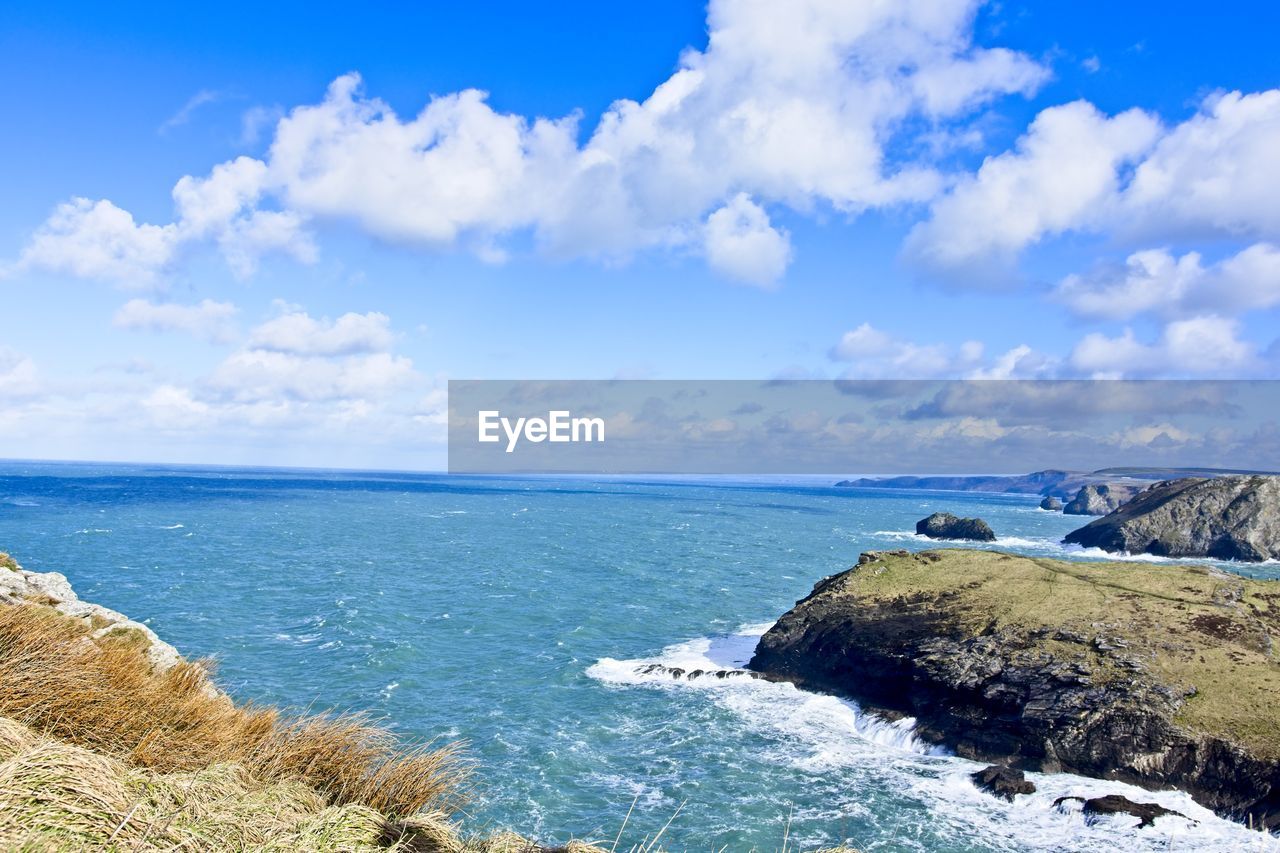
x,y
516,615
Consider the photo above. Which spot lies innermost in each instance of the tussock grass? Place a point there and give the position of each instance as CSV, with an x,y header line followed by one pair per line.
x,y
106,698
99,751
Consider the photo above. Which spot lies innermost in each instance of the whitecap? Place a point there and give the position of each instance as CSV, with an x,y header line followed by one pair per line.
x,y
827,736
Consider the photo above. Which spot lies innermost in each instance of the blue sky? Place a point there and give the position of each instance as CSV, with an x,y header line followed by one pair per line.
x,y
808,197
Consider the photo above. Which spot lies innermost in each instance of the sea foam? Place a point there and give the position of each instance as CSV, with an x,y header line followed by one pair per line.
x,y
830,737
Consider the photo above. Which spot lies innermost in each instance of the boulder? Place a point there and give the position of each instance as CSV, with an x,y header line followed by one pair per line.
x,y
944,525
1051,503
1057,666
1224,518
1003,782
1099,499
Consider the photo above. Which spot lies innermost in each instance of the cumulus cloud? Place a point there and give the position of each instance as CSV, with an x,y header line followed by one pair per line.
x,y
207,319
99,240
1060,175
876,354
1214,174
298,333
1078,170
1156,281
742,244
789,104
1198,346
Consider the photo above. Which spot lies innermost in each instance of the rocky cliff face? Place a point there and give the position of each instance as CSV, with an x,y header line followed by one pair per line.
x,y
51,589
1101,498
1226,518
1157,675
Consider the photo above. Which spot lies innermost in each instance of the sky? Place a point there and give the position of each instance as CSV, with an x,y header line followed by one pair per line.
x,y
270,234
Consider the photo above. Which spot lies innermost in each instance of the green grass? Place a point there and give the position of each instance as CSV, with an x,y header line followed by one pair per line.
x,y
1192,626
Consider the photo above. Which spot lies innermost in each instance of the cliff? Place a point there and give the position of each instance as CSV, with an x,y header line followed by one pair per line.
x,y
1156,675
1226,518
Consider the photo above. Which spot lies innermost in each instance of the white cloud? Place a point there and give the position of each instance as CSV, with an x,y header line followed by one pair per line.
x,y
207,319
742,244
790,104
298,333
876,354
1021,362
1061,174
1077,170
99,240
1158,282
18,375
1152,434
184,113
1199,346
1213,175
255,375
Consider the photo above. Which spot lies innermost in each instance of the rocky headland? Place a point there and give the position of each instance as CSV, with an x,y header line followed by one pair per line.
x,y
1224,518
1163,676
1062,484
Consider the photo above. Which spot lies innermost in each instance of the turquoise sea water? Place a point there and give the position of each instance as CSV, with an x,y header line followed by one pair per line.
x,y
513,614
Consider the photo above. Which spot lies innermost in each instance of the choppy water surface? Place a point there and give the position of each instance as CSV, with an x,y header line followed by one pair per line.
x,y
515,614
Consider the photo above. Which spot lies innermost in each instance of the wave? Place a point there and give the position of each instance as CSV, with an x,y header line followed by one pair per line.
x,y
1055,547
833,738
173,527
1001,541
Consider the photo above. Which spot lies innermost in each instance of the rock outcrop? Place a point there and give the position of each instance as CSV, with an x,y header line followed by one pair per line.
x,y
1100,499
1157,675
1003,782
51,589
1052,504
1114,804
1224,518
944,525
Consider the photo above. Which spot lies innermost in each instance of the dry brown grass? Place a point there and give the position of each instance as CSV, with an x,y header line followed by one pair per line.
x,y
106,698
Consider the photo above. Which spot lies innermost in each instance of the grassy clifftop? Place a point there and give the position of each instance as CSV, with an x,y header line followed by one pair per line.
x,y
1188,627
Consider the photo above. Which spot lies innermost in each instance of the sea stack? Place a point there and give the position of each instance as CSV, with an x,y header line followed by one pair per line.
x,y
944,525
1099,499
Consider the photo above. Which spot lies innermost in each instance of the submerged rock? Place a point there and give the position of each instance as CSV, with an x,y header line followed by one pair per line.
x,y
1057,666
679,673
1114,804
1052,504
1003,782
1100,499
1225,518
944,525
